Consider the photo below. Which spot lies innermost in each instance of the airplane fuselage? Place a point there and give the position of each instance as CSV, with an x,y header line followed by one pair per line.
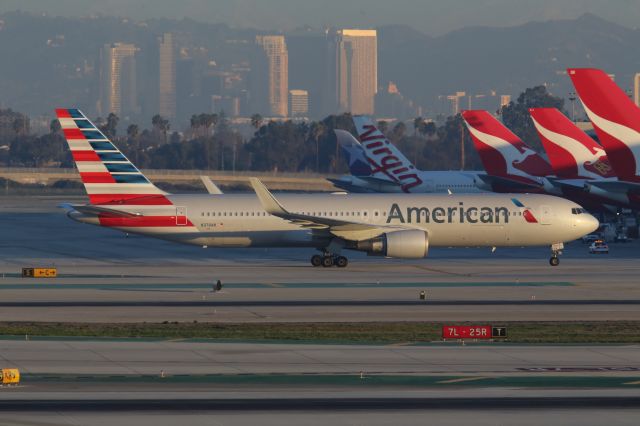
x,y
239,220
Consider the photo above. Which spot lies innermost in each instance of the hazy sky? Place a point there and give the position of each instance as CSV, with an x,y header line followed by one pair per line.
x,y
430,16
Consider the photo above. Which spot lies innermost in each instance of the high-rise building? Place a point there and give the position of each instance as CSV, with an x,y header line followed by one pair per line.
x,y
636,89
299,103
356,70
455,101
118,91
277,64
167,86
308,62
505,100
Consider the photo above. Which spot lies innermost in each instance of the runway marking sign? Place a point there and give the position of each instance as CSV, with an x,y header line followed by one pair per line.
x,y
473,332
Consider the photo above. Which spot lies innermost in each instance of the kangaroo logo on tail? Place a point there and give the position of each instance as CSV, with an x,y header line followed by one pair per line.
x,y
615,118
501,151
573,154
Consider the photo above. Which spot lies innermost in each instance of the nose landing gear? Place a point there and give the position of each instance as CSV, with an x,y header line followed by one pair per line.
x,y
328,260
556,250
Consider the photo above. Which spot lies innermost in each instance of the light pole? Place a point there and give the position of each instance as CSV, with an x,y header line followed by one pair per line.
x,y
572,98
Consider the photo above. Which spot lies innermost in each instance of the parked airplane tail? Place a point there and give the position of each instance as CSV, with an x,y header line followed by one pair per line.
x,y
387,162
358,163
615,118
502,152
572,153
108,176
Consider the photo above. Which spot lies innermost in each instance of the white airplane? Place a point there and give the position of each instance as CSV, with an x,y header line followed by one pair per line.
x,y
376,165
391,225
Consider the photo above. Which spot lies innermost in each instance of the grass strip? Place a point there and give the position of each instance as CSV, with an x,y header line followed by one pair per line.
x,y
358,333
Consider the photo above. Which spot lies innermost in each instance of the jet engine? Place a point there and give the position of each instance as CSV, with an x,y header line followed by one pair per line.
x,y
407,244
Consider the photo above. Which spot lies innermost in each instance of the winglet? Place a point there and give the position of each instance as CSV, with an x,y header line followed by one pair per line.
x,y
268,201
212,188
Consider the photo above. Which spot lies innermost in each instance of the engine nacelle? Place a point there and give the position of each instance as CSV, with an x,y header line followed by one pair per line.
x,y
408,244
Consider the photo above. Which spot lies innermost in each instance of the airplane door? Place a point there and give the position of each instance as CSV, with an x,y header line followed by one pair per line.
x,y
181,216
545,215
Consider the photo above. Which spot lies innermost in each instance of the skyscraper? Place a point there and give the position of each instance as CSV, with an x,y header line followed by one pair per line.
x,y
356,70
277,65
167,87
118,80
298,103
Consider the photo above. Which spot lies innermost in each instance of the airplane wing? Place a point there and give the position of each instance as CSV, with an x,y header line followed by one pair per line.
x,y
507,182
616,186
96,211
212,188
570,183
349,230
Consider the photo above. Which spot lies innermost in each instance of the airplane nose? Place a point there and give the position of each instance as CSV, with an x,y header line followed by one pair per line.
x,y
587,223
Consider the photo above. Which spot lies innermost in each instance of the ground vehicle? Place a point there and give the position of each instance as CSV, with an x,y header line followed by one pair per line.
x,y
599,247
622,238
588,239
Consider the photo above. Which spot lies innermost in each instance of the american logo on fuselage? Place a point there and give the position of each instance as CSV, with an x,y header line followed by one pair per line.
x,y
383,160
457,214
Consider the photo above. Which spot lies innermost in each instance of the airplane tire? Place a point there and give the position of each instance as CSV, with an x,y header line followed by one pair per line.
x,y
316,260
327,261
341,261
554,261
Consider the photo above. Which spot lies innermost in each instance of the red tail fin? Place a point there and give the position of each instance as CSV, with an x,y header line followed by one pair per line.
x,y
615,118
502,152
573,154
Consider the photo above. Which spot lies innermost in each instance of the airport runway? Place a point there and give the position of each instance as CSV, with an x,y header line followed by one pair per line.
x,y
107,277
71,382
193,357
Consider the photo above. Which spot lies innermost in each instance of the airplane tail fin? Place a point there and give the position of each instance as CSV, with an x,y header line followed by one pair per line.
x,y
358,163
615,118
572,153
108,176
501,151
387,162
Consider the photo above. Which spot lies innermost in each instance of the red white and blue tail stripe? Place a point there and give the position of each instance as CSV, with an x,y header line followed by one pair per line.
x,y
108,176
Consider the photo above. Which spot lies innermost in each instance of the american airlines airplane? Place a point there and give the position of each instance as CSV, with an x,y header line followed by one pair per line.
x,y
616,120
391,225
376,165
577,160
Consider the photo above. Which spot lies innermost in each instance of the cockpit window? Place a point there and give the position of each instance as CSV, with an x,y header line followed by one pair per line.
x,y
578,210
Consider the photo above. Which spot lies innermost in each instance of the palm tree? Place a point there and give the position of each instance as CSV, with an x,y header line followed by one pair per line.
x,y
132,133
161,124
317,130
418,122
256,121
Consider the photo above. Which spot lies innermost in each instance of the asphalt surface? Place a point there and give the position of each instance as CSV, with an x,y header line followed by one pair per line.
x,y
105,277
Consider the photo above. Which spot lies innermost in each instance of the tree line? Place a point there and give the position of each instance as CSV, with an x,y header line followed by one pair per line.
x,y
213,143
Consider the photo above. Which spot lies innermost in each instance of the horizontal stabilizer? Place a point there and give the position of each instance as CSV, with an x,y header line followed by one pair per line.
x,y
97,210
212,188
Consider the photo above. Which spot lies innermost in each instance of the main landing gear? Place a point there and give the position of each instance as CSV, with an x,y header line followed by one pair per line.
x,y
327,260
556,250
